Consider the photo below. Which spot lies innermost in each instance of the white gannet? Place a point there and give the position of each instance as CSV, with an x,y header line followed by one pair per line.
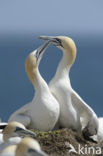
x,y
71,104
29,147
42,112
13,134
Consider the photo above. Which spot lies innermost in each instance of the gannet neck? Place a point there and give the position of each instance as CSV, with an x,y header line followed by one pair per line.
x,y
37,80
33,72
64,66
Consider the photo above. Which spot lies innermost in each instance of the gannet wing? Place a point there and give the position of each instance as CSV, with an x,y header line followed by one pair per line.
x,y
84,110
21,115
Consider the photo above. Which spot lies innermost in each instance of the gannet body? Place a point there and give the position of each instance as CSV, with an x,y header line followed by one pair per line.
x,y
13,134
72,107
43,112
29,147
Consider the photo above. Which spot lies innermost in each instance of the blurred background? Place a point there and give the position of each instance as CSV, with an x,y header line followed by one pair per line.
x,y
23,21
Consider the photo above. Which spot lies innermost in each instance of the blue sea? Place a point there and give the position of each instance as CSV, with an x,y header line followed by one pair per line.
x,y
86,73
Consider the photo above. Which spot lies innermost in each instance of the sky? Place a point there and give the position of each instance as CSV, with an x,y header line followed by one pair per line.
x,y
24,16
22,21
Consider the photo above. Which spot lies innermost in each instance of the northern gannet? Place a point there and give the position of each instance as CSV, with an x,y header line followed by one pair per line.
x,y
71,104
29,147
42,112
13,134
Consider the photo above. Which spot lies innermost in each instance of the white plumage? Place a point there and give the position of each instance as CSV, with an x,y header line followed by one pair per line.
x,y
72,107
29,147
13,134
42,112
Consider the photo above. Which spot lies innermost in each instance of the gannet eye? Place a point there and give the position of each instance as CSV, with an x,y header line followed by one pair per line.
x,y
54,40
18,129
58,42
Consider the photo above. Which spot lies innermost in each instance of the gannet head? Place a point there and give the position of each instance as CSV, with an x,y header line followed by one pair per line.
x,y
29,147
33,60
34,57
65,43
15,129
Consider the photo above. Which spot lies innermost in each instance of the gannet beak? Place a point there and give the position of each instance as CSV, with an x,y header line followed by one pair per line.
x,y
38,153
54,40
39,52
24,132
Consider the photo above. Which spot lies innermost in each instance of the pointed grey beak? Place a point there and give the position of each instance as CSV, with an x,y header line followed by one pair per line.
x,y
54,40
24,132
41,50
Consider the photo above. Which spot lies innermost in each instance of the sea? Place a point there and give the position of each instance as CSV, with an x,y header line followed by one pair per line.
x,y
86,73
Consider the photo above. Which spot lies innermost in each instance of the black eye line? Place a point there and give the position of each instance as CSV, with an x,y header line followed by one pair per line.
x,y
43,47
31,150
38,53
59,41
18,129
